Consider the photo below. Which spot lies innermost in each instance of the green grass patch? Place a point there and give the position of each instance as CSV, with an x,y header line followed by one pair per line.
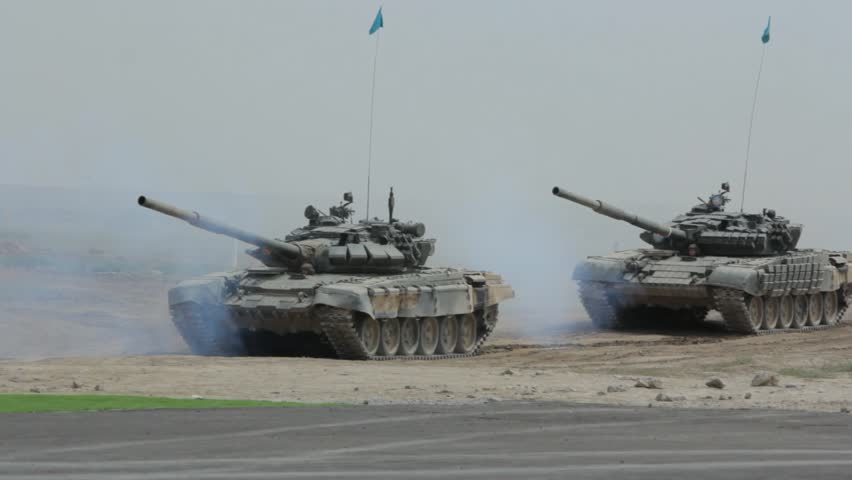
x,y
643,372
841,368
736,362
805,372
78,403
827,371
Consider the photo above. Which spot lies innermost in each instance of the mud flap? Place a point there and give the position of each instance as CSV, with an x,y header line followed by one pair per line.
x,y
207,290
743,279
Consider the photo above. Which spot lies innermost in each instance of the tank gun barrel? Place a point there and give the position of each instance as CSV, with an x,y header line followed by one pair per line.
x,y
619,214
195,219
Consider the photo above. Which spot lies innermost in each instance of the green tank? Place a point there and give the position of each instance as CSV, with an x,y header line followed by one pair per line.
x,y
744,265
356,290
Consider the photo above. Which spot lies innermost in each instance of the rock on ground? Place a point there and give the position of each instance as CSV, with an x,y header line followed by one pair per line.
x,y
654,383
715,382
764,379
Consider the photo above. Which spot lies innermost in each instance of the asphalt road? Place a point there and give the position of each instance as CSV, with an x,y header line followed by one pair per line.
x,y
497,440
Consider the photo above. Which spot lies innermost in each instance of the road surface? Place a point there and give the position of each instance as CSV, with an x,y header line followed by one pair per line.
x,y
494,440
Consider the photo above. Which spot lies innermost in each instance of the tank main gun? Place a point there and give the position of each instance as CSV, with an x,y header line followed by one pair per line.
x,y
328,243
277,248
707,229
619,214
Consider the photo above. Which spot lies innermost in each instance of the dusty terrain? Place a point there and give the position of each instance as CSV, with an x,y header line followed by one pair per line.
x,y
111,333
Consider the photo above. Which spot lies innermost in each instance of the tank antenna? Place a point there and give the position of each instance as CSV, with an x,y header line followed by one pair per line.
x,y
391,203
765,40
236,261
377,25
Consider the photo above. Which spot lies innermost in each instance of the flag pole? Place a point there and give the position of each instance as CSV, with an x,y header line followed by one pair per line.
x,y
765,40
235,254
372,102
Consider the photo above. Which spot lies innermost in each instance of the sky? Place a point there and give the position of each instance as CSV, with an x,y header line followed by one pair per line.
x,y
480,108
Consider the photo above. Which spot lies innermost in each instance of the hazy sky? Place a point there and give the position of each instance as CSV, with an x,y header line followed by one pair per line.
x,y
263,95
481,107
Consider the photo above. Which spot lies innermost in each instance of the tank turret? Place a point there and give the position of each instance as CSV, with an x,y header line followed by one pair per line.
x,y
328,243
707,229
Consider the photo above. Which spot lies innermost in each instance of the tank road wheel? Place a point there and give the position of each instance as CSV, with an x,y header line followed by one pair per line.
x,y
369,332
448,334
830,307
409,336
771,309
786,312
389,344
467,333
814,309
756,312
800,311
429,329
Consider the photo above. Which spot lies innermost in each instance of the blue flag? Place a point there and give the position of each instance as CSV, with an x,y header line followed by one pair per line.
x,y
764,38
378,23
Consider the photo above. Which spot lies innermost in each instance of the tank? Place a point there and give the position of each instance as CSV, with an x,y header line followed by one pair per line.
x,y
744,265
355,290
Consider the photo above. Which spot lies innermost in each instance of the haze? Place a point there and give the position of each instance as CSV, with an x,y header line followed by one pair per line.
x,y
481,107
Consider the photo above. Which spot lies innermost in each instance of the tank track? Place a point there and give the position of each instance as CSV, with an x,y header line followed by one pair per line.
x,y
731,304
339,328
203,332
606,315
599,307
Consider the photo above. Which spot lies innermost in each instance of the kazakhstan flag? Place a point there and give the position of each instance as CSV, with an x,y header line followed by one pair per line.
x,y
379,22
764,38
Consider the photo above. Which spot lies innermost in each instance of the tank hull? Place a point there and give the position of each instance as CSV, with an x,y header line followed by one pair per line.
x,y
753,294
264,310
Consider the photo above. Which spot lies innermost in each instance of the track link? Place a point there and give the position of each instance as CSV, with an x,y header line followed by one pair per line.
x,y
732,305
339,328
206,330
603,313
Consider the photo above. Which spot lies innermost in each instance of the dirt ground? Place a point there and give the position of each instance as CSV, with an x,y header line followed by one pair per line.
x,y
111,333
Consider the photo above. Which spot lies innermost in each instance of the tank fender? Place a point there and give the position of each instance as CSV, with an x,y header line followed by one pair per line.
x,y
211,288
598,269
495,294
847,269
399,301
841,274
739,278
832,279
347,297
488,288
